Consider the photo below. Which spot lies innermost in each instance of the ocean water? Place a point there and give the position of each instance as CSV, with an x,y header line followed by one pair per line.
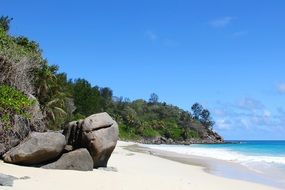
x,y
239,151
265,158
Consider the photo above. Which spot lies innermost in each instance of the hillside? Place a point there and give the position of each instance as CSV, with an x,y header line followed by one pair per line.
x,y
156,122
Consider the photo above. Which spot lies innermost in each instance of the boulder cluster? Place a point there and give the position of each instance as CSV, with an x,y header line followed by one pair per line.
x,y
83,145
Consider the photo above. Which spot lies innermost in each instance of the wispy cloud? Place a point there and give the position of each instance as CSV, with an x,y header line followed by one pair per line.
x,y
221,22
240,33
281,87
248,103
223,124
161,40
151,35
248,115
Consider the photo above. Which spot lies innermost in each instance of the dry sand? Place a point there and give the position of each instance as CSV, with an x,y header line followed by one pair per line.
x,y
136,171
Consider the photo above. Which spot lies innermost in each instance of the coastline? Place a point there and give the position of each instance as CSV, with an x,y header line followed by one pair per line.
x,y
128,169
222,168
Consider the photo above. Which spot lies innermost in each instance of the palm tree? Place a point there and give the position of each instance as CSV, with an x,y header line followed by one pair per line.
x,y
5,23
50,95
45,80
54,111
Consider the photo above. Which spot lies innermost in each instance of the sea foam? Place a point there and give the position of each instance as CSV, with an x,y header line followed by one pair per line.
x,y
219,153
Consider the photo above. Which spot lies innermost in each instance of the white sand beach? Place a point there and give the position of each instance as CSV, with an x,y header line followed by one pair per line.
x,y
135,170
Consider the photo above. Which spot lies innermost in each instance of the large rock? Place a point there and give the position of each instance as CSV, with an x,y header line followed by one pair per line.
x,y
36,148
10,138
98,133
76,160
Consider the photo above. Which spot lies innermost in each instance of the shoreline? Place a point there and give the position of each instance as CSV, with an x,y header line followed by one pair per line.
x,y
222,168
128,170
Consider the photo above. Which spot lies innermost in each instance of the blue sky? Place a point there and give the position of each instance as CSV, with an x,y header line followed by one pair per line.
x,y
227,55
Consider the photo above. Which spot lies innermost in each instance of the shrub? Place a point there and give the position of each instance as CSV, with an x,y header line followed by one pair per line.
x,y
194,134
175,133
126,134
150,133
19,57
17,74
12,102
17,48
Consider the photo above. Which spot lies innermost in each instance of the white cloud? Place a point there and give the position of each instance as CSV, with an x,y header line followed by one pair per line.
x,y
223,124
151,35
266,113
246,123
221,22
249,119
250,104
281,88
219,112
247,114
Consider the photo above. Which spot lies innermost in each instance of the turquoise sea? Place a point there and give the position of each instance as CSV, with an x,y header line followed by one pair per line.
x,y
265,159
262,151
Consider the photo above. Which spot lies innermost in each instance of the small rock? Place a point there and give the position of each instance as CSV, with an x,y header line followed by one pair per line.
x,y
108,169
68,148
7,180
24,178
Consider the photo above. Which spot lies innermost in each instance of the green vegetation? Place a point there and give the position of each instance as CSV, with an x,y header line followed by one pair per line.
x,y
154,119
17,48
12,102
24,71
127,134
